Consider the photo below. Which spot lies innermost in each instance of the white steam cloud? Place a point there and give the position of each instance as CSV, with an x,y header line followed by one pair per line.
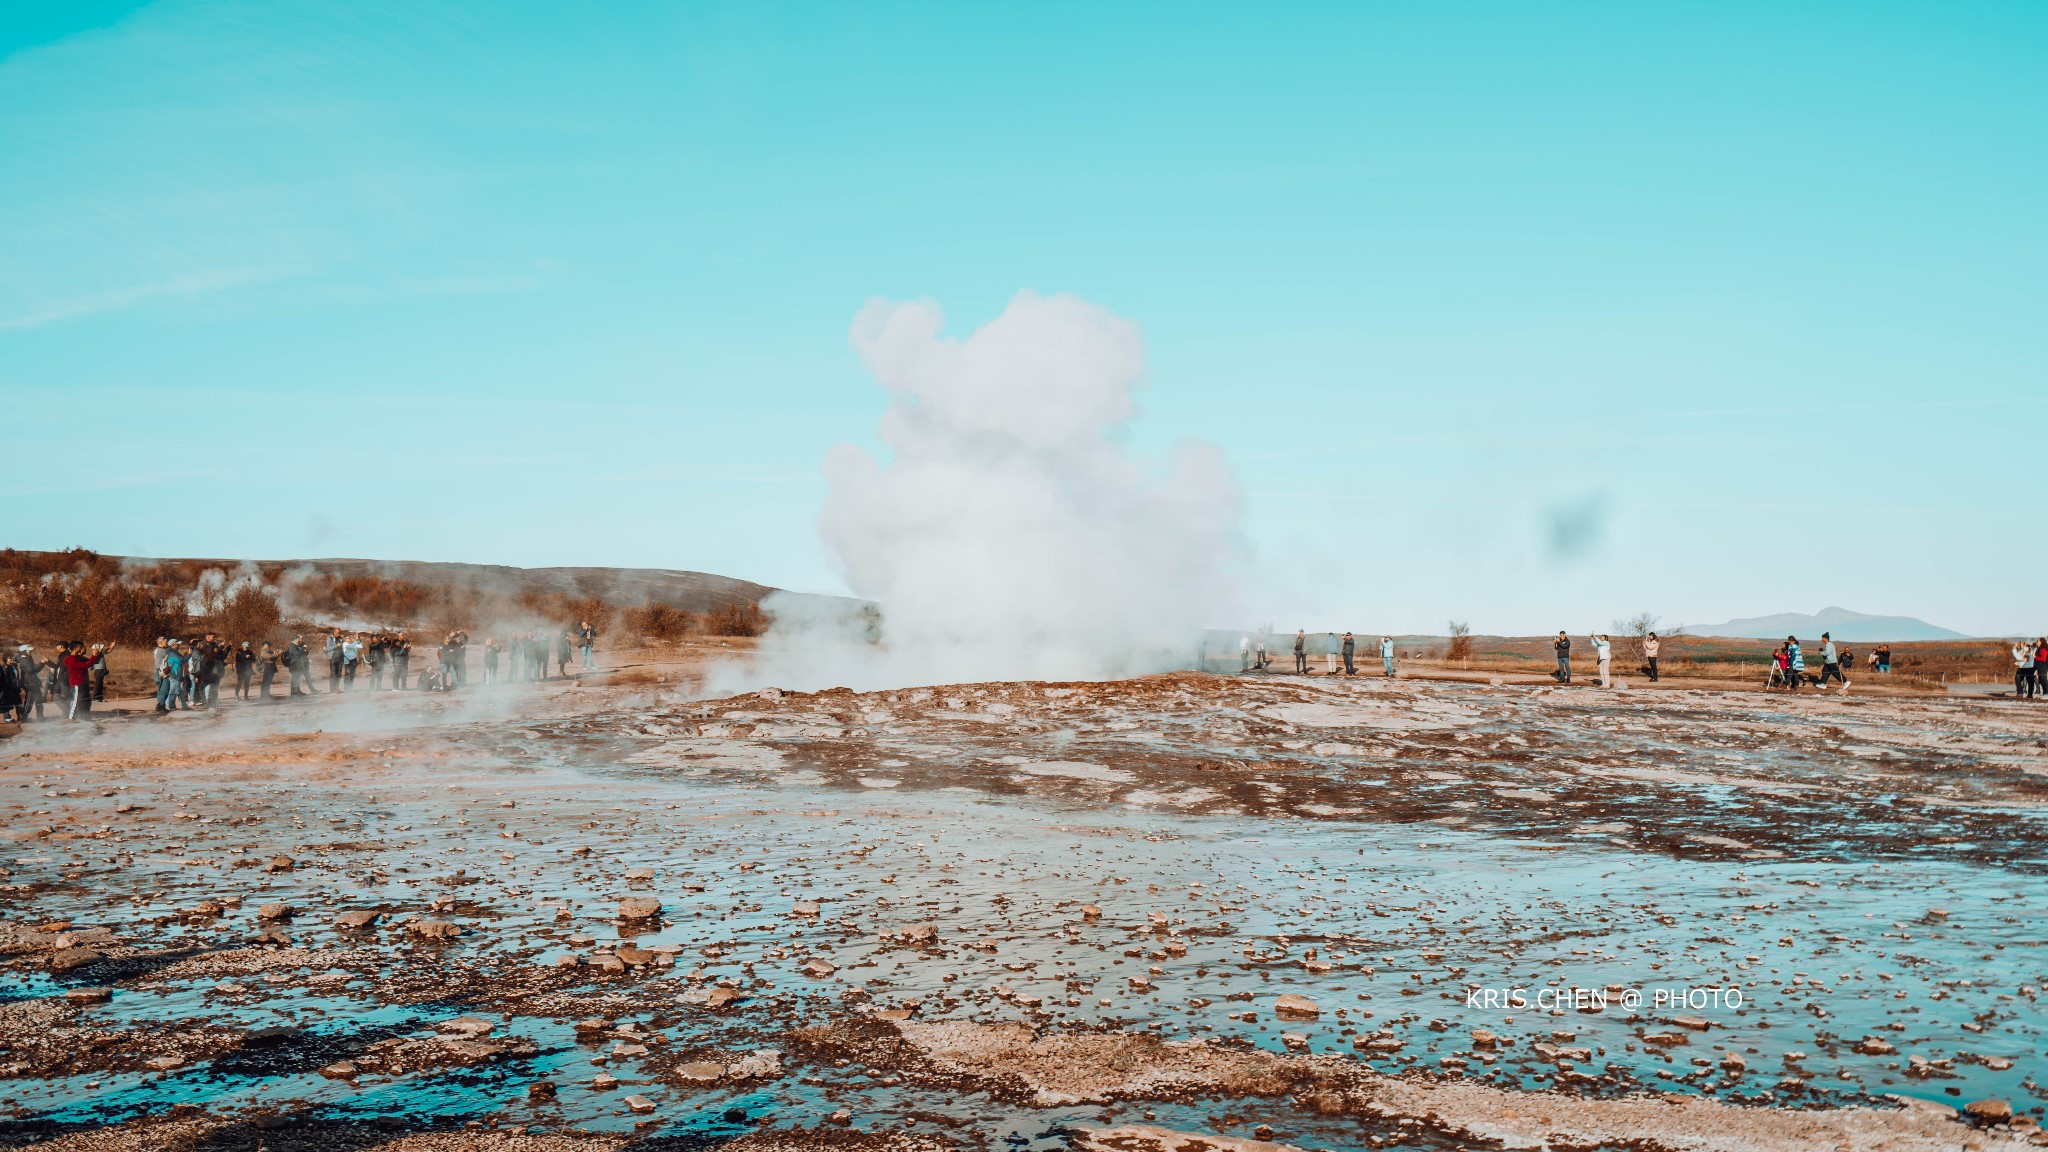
x,y
1008,534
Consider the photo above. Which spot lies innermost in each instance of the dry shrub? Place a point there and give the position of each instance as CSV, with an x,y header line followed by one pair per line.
x,y
742,619
248,613
661,622
1461,641
95,607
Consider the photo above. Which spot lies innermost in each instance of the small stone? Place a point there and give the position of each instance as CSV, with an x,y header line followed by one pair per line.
x,y
469,1027
1992,1111
71,958
1291,1004
639,908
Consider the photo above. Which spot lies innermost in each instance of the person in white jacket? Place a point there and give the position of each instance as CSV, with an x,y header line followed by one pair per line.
x,y
1604,653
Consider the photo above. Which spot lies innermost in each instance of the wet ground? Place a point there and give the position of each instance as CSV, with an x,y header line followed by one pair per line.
x,y
1327,913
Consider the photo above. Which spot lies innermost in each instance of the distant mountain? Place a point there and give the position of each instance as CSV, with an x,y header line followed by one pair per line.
x,y
1842,623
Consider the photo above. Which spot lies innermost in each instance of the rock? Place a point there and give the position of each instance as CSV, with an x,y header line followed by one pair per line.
x,y
701,1072
72,958
819,968
640,1104
639,908
1291,1004
355,920
761,1064
429,929
1991,1111
469,1027
275,912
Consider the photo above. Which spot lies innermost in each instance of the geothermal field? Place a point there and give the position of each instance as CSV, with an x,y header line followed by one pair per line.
x,y
1175,913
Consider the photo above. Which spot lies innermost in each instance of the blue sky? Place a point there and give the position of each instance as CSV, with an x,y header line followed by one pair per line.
x,y
1530,315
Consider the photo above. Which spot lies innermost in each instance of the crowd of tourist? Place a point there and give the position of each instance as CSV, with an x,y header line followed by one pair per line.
x,y
188,674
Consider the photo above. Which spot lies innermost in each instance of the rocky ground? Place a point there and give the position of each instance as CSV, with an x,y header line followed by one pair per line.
x,y
1181,913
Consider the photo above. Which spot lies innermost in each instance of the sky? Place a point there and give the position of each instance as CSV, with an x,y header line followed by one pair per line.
x,y
1530,316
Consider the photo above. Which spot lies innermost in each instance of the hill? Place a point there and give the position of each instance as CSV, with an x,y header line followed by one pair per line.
x,y
1841,622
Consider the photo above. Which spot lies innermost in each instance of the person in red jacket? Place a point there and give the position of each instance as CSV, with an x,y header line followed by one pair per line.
x,y
77,664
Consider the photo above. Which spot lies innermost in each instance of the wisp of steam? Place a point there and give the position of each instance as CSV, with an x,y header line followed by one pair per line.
x,y
1007,532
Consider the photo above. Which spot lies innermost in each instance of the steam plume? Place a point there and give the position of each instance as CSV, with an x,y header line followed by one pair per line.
x,y
1009,535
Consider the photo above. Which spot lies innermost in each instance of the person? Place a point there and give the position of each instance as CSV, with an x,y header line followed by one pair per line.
x,y
10,689
586,639
245,670
1831,662
99,673
401,661
1603,653
1650,647
334,660
77,674
2023,670
1300,652
1349,646
1563,647
30,669
299,662
266,668
562,653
